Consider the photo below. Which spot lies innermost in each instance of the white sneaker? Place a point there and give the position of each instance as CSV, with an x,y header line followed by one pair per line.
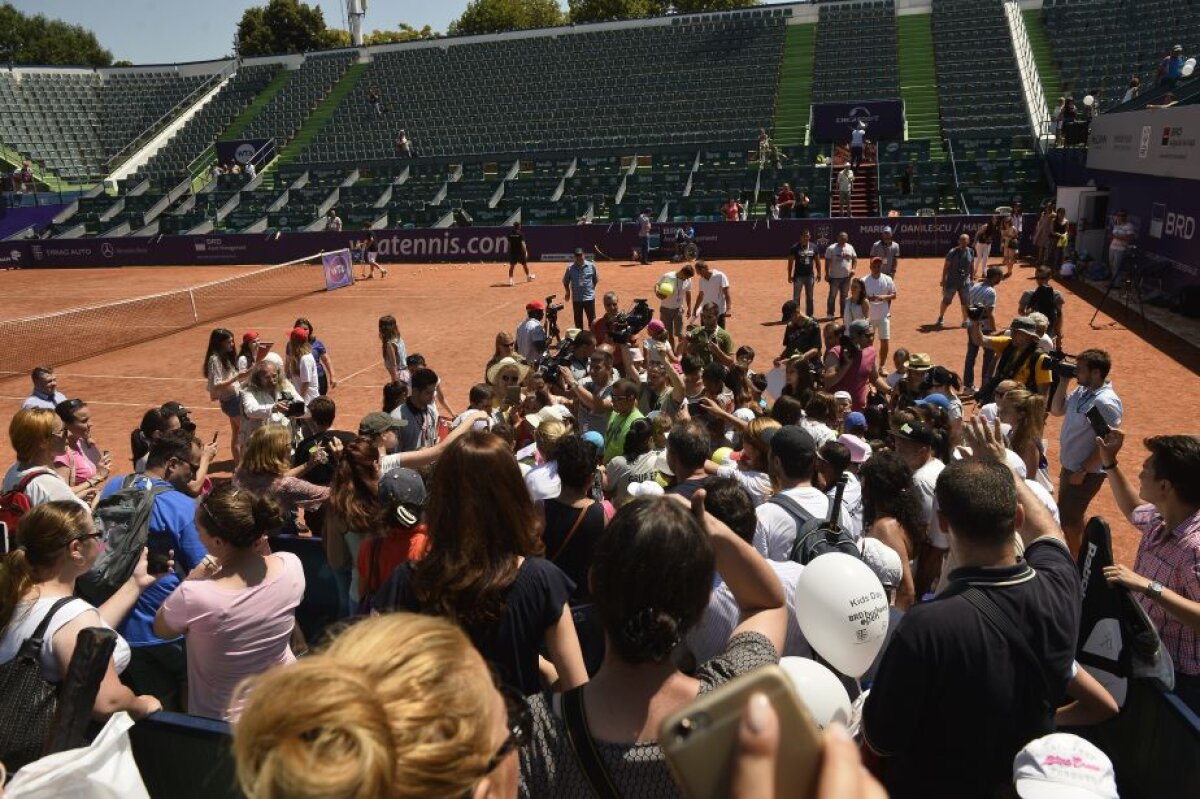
x,y
510,281
529,278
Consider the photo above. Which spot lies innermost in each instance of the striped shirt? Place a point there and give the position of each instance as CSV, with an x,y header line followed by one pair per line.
x,y
1172,557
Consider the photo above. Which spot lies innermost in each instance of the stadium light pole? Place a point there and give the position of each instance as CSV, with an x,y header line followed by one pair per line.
x,y
356,10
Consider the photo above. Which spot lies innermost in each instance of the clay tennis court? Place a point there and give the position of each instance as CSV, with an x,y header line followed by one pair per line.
x,y
450,313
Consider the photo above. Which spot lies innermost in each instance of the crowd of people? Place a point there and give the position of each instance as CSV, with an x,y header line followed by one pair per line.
x,y
609,530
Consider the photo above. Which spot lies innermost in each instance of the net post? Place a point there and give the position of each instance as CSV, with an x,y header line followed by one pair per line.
x,y
192,299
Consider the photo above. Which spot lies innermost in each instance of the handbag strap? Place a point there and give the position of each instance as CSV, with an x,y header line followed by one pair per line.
x,y
584,746
1002,622
32,645
571,533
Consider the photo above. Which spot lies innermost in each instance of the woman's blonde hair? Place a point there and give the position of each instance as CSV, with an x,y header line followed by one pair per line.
x,y
1031,419
268,451
41,538
753,439
397,706
29,429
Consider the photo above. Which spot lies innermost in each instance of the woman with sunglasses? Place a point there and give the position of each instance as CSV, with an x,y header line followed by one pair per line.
x,y
238,607
54,544
38,436
397,707
83,466
504,349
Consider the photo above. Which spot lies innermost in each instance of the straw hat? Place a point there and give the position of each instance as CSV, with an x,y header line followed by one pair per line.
x,y
506,363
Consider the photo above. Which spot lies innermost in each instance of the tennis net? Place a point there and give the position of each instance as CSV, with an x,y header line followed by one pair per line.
x,y
77,333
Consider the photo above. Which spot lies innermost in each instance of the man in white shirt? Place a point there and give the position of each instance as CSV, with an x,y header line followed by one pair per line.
x,y
858,143
840,260
914,444
845,184
45,390
333,222
888,250
1123,235
982,295
643,223
714,287
881,291
531,334
674,291
792,464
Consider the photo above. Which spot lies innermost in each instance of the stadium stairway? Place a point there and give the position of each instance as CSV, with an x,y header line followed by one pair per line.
x,y
322,113
794,96
864,199
252,111
1043,56
918,81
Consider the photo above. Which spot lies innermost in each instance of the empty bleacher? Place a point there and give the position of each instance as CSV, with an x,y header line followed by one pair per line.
x,y
1100,44
978,81
687,82
856,52
287,110
75,122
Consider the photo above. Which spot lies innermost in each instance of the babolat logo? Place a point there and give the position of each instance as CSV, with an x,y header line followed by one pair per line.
x,y
1179,226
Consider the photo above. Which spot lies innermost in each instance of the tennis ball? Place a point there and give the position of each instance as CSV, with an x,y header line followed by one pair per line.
x,y
721,456
664,290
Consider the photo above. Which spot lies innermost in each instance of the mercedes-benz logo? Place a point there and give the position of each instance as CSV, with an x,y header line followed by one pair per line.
x,y
106,250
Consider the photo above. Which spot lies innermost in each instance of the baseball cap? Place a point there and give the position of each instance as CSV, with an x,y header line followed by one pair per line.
x,y
859,326
646,488
883,560
843,395
860,450
594,438
791,442
855,421
535,305
1023,324
298,334
378,422
1178,48
402,487
559,413
886,229
920,360
1063,766
579,251
915,431
249,336
656,326
940,400
876,260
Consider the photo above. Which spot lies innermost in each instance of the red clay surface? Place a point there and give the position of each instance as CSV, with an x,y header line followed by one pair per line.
x,y
451,312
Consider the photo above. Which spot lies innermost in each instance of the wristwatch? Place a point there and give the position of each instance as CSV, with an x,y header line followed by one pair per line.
x,y
1154,590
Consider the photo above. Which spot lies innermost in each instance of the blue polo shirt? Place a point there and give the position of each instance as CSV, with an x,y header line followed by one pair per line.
x,y
173,518
583,280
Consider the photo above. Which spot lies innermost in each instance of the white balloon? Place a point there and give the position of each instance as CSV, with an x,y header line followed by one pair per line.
x,y
1088,100
843,611
820,689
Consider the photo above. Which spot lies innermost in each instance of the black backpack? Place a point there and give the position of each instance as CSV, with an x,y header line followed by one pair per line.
x,y
124,521
816,537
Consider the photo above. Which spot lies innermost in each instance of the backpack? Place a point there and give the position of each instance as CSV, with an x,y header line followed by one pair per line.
x,y
13,505
816,537
123,519
1042,301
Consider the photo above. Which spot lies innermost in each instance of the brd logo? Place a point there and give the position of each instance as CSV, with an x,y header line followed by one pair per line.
x,y
1180,226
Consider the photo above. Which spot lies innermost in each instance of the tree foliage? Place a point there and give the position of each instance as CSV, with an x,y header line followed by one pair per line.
x,y
282,26
39,40
698,6
497,16
337,37
610,10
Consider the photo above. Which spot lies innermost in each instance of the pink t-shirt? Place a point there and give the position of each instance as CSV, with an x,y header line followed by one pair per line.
x,y
85,468
857,380
234,633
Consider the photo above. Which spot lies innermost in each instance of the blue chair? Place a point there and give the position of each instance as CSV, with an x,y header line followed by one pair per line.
x,y
326,598
185,757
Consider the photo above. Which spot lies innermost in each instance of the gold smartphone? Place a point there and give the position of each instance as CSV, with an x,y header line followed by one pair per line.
x,y
699,741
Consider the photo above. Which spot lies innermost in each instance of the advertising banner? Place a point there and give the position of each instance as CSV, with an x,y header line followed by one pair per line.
x,y
834,121
1160,141
339,269
917,236
242,150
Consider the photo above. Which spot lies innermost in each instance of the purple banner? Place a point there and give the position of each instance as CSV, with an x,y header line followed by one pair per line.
x,y
834,121
917,236
18,217
1164,211
339,269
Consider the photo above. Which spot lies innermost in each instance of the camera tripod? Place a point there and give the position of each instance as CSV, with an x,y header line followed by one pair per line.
x,y
1129,274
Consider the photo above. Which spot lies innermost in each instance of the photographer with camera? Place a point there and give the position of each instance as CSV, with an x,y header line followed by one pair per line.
x,y
1018,358
579,282
981,312
1082,462
594,394
851,365
531,334
709,342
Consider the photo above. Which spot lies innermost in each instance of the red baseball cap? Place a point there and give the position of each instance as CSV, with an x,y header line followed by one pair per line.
x,y
535,305
249,336
298,334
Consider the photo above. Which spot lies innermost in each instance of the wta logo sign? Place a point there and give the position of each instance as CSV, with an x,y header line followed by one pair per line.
x,y
244,152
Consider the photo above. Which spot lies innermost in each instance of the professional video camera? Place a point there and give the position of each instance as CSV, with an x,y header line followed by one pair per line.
x,y
628,324
977,312
1059,365
552,310
549,365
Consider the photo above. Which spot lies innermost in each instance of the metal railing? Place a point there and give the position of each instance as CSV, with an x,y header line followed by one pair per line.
x,y
962,198
1031,81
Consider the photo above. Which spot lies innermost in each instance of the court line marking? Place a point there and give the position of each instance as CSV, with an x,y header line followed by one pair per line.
x,y
353,375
